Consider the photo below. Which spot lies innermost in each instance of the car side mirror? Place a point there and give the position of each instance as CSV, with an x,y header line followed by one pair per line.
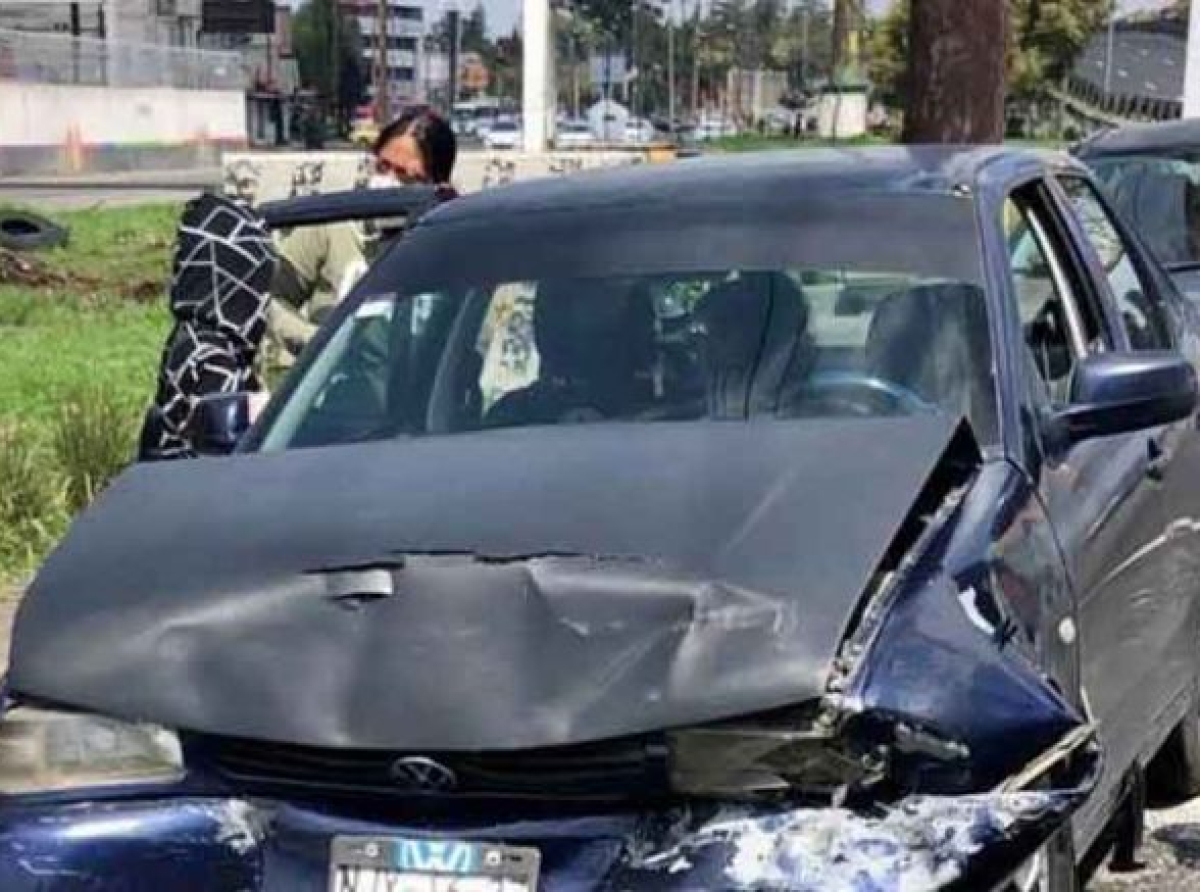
x,y
1115,393
219,422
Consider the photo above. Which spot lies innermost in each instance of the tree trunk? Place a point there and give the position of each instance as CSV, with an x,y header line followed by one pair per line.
x,y
956,71
841,32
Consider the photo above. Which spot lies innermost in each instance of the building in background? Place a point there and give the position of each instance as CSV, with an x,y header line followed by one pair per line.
x,y
406,24
272,76
157,22
42,17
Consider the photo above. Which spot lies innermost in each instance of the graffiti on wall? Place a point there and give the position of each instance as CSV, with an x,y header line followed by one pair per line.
x,y
268,176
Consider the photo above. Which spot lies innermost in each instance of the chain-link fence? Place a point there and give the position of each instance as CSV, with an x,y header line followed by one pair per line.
x,y
61,59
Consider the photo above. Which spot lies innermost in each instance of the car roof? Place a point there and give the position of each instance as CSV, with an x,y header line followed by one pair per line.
x,y
767,176
1142,138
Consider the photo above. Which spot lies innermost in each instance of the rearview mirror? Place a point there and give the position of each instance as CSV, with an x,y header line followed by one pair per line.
x,y
1115,393
219,423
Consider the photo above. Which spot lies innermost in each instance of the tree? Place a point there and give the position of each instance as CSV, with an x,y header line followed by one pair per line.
x,y
846,16
474,37
803,41
1048,37
1045,38
887,53
956,72
328,51
507,64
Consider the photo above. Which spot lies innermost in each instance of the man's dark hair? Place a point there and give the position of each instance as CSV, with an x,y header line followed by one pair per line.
x,y
433,136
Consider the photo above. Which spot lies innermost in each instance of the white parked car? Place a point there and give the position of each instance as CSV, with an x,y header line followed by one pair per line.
x,y
639,131
503,135
715,128
574,135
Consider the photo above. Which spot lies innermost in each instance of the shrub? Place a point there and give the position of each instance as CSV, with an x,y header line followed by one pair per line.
x,y
92,435
33,499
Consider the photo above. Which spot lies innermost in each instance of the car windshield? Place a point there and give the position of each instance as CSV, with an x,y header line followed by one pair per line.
x,y
1160,196
727,344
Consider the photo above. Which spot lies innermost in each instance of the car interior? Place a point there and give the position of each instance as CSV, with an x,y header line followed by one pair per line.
x,y
725,345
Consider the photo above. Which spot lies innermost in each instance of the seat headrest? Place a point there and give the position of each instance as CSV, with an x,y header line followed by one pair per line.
x,y
755,326
933,339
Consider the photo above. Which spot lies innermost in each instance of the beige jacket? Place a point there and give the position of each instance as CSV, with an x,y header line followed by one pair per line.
x,y
318,265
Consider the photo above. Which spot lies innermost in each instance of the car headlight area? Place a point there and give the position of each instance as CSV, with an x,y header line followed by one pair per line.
x,y
49,750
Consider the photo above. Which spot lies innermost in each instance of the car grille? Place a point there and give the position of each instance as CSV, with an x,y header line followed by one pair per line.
x,y
620,769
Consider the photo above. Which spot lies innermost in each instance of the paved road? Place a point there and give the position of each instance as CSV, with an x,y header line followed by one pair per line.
x,y
1171,856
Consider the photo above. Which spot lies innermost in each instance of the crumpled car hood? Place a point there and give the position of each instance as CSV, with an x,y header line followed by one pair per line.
x,y
490,591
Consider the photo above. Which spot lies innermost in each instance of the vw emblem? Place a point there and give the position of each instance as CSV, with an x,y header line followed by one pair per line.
x,y
422,775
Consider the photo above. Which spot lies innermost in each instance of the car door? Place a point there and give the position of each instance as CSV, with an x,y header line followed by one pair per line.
x,y
1098,494
1144,322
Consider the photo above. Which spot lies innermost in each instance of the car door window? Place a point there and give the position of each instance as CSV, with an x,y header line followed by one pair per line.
x,y
1141,312
1055,332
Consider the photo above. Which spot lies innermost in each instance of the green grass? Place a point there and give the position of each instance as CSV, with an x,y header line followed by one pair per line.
x,y
80,337
124,247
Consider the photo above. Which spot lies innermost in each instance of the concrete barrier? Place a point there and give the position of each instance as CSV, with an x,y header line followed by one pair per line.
x,y
269,176
48,129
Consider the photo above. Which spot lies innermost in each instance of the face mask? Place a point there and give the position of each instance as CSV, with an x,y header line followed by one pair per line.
x,y
382,181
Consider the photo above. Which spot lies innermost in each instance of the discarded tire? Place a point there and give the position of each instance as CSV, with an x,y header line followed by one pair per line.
x,y
24,231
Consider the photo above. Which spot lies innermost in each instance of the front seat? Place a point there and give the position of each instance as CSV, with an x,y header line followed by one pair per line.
x,y
757,349
933,340
595,342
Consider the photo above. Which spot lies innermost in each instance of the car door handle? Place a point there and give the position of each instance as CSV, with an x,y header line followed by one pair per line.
x,y
1156,460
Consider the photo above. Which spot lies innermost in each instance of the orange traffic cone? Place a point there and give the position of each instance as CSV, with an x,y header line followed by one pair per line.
x,y
74,147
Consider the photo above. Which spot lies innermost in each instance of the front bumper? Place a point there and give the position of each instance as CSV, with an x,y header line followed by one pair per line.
x,y
214,843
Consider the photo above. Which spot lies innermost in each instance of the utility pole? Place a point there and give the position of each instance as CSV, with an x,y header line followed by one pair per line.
x,y
696,60
380,74
335,62
670,65
452,56
75,32
631,90
1191,78
804,13
1108,53
956,72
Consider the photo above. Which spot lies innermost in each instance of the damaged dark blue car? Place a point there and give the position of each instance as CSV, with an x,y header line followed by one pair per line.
x,y
796,522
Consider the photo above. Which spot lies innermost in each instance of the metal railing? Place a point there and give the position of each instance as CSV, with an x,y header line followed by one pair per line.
x,y
37,58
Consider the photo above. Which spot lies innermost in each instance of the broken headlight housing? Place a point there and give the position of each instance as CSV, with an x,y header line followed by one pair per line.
x,y
43,751
764,757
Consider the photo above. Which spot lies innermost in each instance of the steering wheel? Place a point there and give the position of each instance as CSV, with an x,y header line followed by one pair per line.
x,y
864,394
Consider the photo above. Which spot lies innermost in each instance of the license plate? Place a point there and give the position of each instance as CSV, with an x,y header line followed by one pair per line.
x,y
399,864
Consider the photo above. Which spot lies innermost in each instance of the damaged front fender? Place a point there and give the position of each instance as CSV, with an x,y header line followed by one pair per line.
x,y
922,842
